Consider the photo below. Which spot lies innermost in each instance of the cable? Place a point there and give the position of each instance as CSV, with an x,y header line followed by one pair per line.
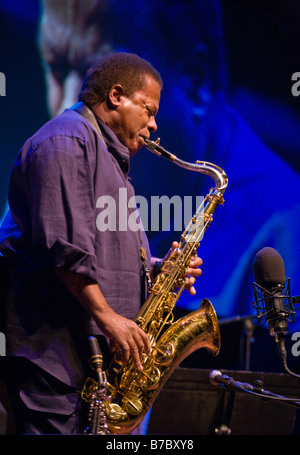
x,y
283,355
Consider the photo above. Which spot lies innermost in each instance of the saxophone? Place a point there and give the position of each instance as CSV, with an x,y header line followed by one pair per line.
x,y
130,392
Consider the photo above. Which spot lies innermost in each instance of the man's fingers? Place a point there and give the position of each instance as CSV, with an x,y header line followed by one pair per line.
x,y
194,272
134,346
136,357
146,345
125,350
140,344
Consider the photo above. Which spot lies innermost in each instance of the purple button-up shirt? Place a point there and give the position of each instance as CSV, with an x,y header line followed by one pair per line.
x,y
68,197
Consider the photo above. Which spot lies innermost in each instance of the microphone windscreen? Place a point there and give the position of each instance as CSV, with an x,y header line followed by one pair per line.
x,y
268,268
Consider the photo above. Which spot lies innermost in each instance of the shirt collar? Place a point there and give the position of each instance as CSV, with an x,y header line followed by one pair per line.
x,y
114,146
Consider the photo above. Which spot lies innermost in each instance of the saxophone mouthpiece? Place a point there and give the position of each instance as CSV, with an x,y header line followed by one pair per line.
x,y
154,147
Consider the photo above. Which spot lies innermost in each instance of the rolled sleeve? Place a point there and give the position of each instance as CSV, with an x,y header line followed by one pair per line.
x,y
60,195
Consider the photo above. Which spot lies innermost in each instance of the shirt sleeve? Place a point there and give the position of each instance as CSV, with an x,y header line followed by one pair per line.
x,y
58,178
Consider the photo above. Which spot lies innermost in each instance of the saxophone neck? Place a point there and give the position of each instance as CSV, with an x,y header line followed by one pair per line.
x,y
214,171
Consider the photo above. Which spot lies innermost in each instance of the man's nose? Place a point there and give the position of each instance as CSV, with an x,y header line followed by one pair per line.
x,y
152,126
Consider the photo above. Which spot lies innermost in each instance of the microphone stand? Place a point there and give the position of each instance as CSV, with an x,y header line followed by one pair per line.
x,y
227,382
246,341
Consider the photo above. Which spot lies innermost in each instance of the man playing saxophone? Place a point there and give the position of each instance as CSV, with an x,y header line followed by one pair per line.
x,y
68,278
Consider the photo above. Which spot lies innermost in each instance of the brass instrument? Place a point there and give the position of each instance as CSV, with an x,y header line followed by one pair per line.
x,y
133,392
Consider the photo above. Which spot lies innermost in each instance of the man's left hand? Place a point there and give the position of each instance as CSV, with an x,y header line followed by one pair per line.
x,y
192,272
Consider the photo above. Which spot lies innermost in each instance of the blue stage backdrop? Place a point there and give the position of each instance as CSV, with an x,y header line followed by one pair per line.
x,y
230,97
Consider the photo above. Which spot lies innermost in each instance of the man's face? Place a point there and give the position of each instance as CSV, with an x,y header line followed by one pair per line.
x,y
136,116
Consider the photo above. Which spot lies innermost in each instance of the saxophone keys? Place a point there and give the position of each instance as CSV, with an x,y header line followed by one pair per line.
x,y
89,387
165,353
114,412
149,378
134,406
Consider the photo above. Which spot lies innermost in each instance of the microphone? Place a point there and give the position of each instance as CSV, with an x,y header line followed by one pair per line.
x,y
216,377
273,297
272,291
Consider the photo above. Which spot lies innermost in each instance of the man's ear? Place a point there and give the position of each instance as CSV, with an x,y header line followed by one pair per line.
x,y
115,94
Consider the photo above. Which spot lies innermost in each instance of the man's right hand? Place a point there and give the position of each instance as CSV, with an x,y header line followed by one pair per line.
x,y
122,332
126,335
